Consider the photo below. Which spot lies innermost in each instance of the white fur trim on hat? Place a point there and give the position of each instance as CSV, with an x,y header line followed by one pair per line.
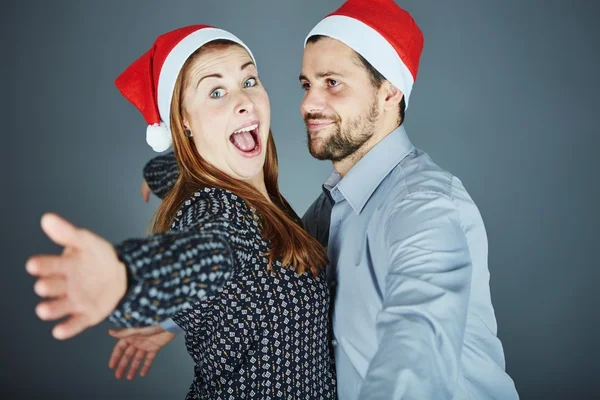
x,y
371,45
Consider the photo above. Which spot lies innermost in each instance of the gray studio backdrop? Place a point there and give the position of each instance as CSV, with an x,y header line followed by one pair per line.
x,y
505,99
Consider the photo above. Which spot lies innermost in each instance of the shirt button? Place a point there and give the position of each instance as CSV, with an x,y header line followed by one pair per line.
x,y
334,343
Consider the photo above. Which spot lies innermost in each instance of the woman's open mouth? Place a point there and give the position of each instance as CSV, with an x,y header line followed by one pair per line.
x,y
247,140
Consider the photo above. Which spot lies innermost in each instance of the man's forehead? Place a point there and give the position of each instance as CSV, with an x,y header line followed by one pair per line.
x,y
334,57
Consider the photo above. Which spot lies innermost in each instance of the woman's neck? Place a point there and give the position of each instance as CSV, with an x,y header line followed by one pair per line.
x,y
259,183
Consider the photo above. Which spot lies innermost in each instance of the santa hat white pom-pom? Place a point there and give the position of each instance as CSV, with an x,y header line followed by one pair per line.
x,y
158,137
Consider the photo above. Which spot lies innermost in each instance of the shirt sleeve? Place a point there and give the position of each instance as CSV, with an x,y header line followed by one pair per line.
x,y
421,325
170,326
161,173
169,272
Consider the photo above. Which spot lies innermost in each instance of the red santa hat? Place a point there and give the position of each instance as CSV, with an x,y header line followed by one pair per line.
x,y
149,82
383,33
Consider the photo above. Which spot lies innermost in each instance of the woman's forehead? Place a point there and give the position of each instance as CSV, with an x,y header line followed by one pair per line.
x,y
230,56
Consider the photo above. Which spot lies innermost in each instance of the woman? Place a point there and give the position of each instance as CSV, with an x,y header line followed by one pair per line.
x,y
227,260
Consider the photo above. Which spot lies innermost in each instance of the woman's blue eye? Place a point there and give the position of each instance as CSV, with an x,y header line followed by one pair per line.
x,y
217,93
250,82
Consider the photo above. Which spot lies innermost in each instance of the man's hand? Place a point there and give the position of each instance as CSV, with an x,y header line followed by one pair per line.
x,y
141,344
145,190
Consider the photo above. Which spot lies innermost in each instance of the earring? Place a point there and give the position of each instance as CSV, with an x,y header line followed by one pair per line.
x,y
187,133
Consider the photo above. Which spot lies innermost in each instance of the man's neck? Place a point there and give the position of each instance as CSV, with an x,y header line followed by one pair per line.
x,y
344,166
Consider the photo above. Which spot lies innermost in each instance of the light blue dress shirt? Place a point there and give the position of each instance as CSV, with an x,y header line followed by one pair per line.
x,y
413,316
170,326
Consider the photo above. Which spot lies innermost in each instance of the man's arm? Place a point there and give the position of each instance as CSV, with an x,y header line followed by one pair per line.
x,y
421,327
170,326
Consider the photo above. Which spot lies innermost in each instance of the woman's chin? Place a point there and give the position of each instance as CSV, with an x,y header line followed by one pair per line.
x,y
249,170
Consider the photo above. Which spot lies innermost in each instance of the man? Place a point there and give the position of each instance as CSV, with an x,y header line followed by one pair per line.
x,y
413,317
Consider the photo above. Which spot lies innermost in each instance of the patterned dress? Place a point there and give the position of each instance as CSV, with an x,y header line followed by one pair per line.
x,y
251,333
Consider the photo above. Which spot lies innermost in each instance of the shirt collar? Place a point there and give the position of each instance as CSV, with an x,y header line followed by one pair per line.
x,y
361,181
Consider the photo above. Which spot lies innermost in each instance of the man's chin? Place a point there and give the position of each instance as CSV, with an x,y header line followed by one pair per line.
x,y
319,154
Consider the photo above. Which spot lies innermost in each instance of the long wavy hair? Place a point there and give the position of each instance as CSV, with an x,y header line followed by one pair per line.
x,y
281,227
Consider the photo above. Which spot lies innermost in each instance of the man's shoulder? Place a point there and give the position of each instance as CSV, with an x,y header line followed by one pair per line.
x,y
420,179
418,173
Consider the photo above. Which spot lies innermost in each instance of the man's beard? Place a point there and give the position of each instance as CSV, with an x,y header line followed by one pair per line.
x,y
345,140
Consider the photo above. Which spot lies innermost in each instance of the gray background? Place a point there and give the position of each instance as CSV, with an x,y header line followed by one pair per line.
x,y
505,99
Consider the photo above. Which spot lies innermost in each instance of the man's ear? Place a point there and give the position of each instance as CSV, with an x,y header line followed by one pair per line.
x,y
393,96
